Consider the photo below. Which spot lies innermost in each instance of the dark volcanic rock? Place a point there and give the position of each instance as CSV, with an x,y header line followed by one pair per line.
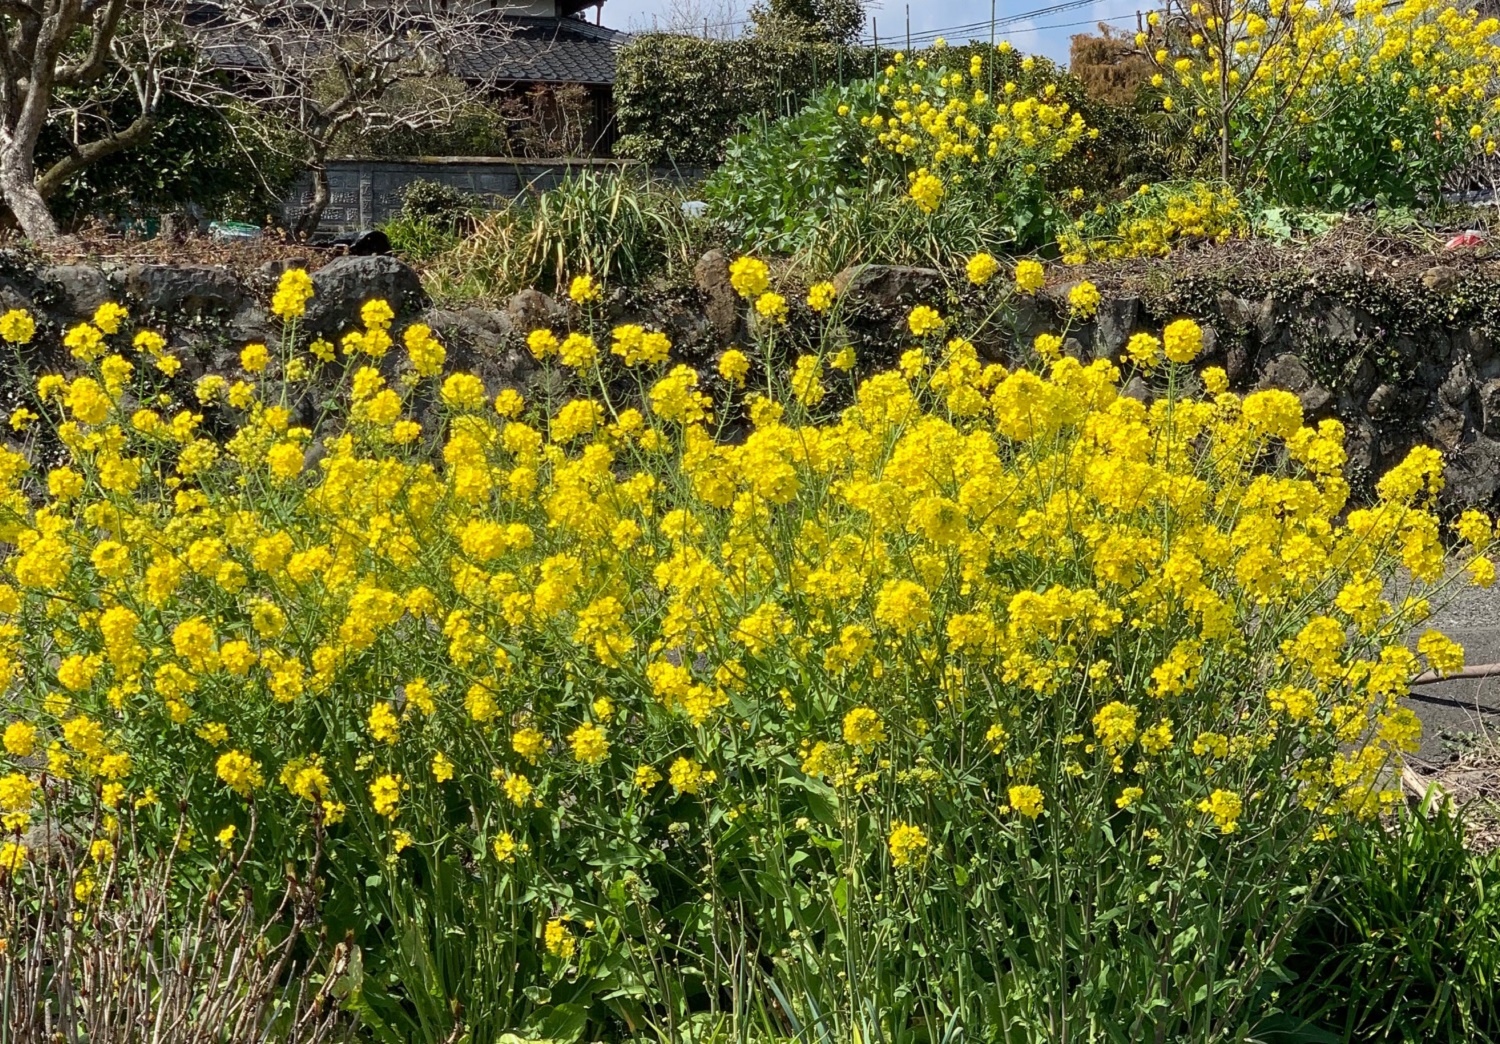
x,y
721,304
183,291
1291,373
343,286
77,289
886,287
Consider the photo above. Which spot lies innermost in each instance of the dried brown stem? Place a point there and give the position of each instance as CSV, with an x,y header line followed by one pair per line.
x,y
146,958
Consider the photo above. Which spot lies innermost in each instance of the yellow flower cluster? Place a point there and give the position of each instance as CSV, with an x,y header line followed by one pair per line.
x,y
1018,589
293,291
1293,65
1154,221
949,129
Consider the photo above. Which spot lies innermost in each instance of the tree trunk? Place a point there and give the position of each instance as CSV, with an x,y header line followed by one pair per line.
x,y
312,214
18,187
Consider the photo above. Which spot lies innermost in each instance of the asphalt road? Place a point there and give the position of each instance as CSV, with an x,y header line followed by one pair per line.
x,y
1451,709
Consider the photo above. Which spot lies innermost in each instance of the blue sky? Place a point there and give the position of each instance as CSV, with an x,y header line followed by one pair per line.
x,y
1042,33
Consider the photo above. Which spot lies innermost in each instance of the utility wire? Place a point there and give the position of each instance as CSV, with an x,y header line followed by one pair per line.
x,y
1070,25
928,35
1010,19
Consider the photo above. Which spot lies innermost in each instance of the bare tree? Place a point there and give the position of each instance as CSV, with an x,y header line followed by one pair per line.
x,y
86,53
831,21
318,73
710,19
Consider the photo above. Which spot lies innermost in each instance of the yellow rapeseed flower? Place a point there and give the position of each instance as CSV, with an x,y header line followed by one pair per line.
x,y
1026,799
293,291
1182,340
863,728
17,327
981,267
589,743
750,277
1030,276
1225,806
907,844
585,290
820,297
1084,299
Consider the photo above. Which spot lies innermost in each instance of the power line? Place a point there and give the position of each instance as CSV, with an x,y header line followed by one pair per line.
x,y
958,31
929,35
1028,30
1070,25
1010,19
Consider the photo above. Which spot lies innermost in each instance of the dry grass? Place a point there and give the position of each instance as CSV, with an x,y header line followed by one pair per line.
x,y
1471,781
1110,66
96,244
126,950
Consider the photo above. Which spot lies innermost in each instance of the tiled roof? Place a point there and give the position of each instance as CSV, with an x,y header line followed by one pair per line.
x,y
547,50
531,50
233,56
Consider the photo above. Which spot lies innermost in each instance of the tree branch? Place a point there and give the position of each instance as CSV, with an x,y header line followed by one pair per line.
x,y
92,152
93,64
52,30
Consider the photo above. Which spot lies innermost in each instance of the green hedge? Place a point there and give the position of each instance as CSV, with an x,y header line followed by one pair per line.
x,y
679,99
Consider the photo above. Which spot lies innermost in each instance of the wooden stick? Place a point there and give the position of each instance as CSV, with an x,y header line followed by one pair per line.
x,y
1479,670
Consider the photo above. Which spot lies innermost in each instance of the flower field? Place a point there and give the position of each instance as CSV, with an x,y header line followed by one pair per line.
x,y
953,696
1000,688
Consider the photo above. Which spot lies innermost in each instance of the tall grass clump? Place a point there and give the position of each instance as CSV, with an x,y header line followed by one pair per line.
x,y
616,227
1407,948
989,702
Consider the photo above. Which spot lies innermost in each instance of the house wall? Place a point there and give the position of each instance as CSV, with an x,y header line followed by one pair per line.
x,y
367,193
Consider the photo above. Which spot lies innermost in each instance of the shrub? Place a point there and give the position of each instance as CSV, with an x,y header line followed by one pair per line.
x,y
679,99
1330,107
191,161
437,201
995,701
781,186
434,216
835,20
